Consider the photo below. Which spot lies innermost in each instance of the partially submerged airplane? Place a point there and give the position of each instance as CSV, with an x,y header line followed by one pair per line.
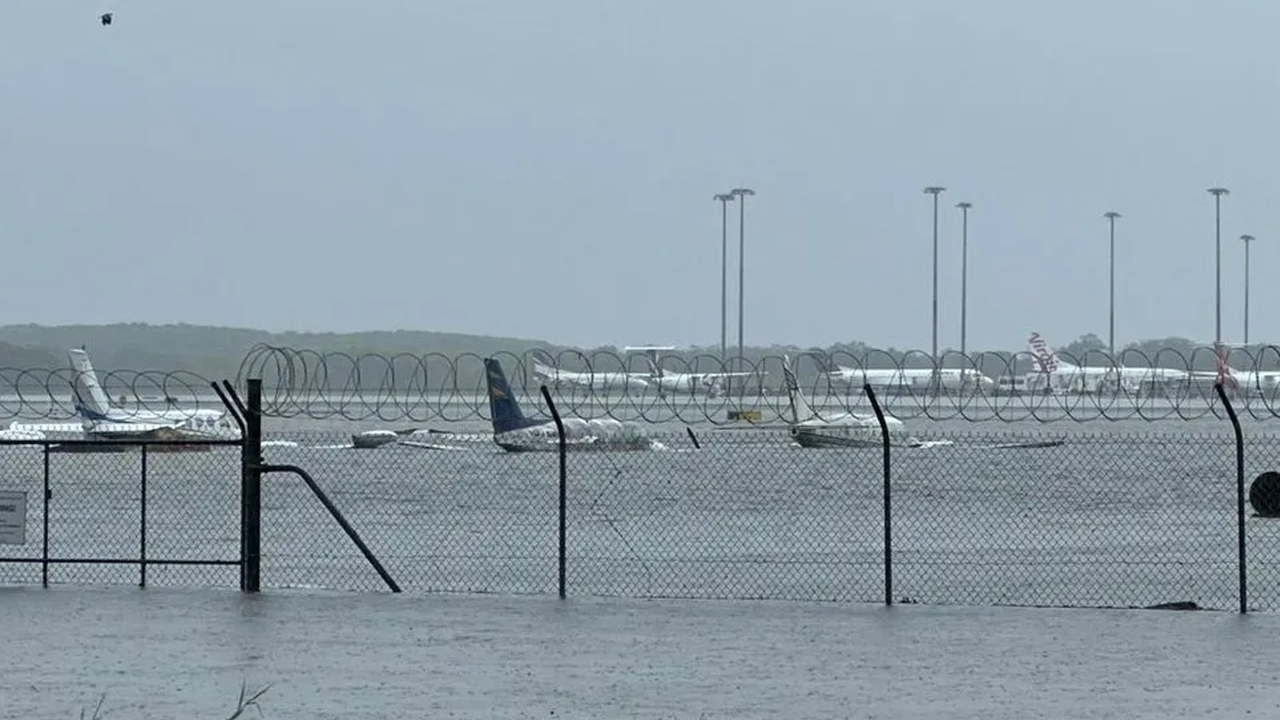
x,y
809,428
105,421
99,420
848,429
692,383
513,432
592,380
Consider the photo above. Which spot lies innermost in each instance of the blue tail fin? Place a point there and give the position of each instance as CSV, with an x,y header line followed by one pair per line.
x,y
502,403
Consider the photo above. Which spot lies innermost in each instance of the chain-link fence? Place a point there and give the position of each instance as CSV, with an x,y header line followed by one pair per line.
x,y
1123,518
1120,519
132,512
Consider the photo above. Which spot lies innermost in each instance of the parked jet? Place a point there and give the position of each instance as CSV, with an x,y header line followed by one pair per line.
x,y
1263,382
912,379
1056,374
692,383
513,432
592,380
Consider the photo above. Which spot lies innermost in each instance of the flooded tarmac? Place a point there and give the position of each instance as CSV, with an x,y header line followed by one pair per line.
x,y
168,653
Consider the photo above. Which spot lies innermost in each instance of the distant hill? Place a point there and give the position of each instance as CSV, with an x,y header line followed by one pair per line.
x,y
216,352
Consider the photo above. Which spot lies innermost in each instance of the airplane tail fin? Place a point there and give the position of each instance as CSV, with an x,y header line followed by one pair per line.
x,y
503,407
825,362
87,396
1225,374
799,406
655,370
1044,355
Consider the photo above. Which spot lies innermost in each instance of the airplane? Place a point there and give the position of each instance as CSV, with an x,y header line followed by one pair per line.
x,y
1056,374
711,383
849,429
100,420
899,379
845,429
1241,381
513,432
596,381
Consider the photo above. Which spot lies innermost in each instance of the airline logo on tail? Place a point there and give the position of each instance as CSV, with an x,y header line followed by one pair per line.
x,y
1042,353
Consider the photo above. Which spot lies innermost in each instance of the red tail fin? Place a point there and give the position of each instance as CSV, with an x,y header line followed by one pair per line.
x,y
1225,376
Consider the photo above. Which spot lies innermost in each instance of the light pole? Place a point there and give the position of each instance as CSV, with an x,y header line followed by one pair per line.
x,y
725,199
1111,314
964,276
1248,240
935,190
741,193
1217,193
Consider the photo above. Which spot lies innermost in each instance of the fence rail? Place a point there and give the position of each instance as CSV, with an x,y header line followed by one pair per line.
x,y
1107,519
129,515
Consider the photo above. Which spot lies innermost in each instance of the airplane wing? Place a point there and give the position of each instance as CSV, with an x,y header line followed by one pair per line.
x,y
748,425
131,428
71,427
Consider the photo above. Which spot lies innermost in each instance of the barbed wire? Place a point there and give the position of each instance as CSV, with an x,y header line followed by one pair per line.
x,y
692,388
701,388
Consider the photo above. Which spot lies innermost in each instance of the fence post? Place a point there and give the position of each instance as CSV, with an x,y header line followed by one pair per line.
x,y
142,530
1240,533
563,452
888,496
251,491
44,546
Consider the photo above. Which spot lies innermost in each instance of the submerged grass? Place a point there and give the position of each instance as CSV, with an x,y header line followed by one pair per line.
x,y
243,703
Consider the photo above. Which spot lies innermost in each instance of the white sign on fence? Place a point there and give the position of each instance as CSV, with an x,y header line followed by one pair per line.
x,y
13,517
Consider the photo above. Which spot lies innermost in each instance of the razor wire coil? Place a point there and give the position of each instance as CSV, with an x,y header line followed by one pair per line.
x,y
438,387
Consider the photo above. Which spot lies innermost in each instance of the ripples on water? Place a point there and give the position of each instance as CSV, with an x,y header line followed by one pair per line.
x,y
185,654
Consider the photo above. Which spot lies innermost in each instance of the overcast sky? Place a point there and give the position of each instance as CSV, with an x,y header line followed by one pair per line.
x,y
546,169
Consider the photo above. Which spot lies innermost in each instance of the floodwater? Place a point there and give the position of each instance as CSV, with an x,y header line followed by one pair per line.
x,y
1115,516
164,653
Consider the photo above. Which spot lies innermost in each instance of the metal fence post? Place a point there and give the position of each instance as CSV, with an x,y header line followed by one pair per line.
x,y
251,490
48,495
564,481
888,495
1240,533
142,530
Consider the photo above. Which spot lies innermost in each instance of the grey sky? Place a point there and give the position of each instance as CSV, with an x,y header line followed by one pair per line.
x,y
547,169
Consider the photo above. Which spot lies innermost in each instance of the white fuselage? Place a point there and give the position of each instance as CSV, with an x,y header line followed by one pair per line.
x,y
603,433
595,381
845,430
1074,378
710,384
914,379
